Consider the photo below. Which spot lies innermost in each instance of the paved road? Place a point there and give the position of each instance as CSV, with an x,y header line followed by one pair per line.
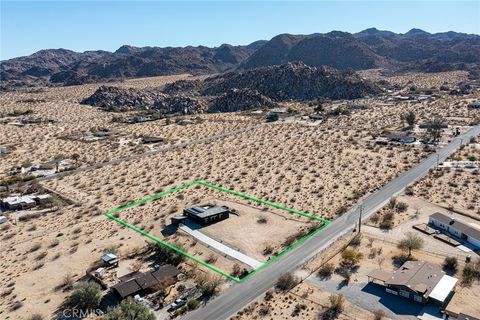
x,y
149,153
240,295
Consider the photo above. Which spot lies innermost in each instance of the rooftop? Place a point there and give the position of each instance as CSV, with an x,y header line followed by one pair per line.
x,y
460,226
206,210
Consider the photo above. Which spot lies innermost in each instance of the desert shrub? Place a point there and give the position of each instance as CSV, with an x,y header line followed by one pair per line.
x,y
350,258
287,281
356,241
35,316
192,304
113,249
336,307
326,270
86,295
412,241
129,309
471,272
208,285
401,206
450,265
269,295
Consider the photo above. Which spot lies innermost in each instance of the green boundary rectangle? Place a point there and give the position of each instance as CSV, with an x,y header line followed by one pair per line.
x,y
325,222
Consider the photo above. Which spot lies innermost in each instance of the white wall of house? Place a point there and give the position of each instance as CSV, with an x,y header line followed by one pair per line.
x,y
475,242
437,224
455,232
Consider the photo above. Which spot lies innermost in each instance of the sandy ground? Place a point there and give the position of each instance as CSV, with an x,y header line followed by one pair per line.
x,y
455,189
320,169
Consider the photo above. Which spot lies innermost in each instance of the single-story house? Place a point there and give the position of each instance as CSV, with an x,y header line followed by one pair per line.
x,y
474,105
456,228
148,139
401,138
316,117
18,202
418,281
207,213
3,219
137,282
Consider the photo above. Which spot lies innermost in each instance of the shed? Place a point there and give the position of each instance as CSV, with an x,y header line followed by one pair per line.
x,y
110,259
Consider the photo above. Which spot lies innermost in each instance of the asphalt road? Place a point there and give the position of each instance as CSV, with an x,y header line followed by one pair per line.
x,y
240,295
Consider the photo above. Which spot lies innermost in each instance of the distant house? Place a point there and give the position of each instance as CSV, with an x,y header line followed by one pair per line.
x,y
316,117
24,202
418,281
138,282
358,106
474,105
148,139
401,138
456,228
3,219
208,213
279,111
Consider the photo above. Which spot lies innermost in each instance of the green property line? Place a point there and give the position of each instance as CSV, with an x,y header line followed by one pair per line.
x,y
111,213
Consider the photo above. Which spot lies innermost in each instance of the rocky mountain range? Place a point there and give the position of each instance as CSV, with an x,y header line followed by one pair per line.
x,y
371,48
256,88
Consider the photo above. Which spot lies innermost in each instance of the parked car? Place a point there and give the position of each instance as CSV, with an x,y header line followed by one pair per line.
x,y
176,304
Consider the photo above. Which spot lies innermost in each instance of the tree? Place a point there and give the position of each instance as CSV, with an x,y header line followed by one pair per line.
x,y
411,242
75,157
272,117
336,307
86,295
435,127
411,119
450,265
129,309
350,258
286,282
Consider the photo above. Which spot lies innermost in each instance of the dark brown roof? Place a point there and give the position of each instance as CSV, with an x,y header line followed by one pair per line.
x,y
165,272
137,281
460,226
127,288
146,280
381,275
418,276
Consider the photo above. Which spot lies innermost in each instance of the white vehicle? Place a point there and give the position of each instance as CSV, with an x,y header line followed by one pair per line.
x,y
176,304
138,299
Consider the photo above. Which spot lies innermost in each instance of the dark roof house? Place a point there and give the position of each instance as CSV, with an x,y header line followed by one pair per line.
x,y
416,280
140,282
207,213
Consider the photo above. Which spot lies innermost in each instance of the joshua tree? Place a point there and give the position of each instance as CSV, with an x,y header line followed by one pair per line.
x,y
435,128
411,119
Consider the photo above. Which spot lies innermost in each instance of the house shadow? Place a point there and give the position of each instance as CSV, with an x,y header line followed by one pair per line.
x,y
395,304
169,230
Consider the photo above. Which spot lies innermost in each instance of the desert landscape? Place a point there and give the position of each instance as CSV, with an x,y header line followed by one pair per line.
x,y
329,175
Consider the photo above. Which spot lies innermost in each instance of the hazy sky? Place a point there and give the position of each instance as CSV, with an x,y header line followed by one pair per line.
x,y
27,27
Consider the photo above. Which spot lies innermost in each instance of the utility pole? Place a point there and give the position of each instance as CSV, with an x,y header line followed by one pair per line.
x,y
360,219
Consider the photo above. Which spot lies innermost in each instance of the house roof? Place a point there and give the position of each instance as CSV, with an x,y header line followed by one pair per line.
x,y
126,288
443,288
418,276
137,281
458,225
165,272
207,210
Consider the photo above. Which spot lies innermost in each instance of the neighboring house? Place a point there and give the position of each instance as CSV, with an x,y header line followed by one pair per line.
x,y
401,138
456,228
208,213
148,139
24,202
3,219
474,105
138,282
418,281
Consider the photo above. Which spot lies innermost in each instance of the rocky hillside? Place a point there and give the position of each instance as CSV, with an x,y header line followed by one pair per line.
x,y
293,81
240,100
121,99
